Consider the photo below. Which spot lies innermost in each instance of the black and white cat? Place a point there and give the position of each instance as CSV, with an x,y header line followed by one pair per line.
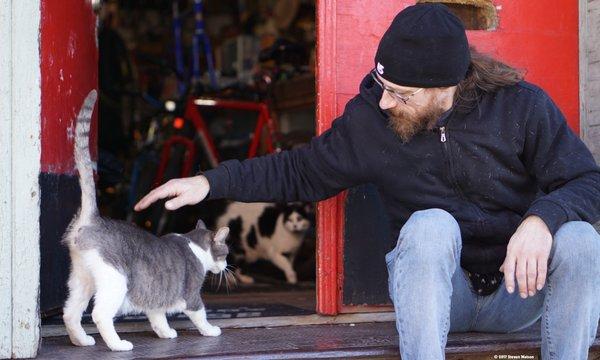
x,y
267,231
129,270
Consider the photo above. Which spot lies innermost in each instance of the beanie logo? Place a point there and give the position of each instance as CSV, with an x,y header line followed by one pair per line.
x,y
380,68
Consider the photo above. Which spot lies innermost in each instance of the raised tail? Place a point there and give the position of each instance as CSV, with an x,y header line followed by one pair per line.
x,y
83,160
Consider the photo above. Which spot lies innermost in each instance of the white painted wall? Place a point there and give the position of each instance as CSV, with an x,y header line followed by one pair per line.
x,y
19,171
5,203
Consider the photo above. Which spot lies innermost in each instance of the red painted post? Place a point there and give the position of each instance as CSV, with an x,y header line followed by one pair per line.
x,y
69,69
329,212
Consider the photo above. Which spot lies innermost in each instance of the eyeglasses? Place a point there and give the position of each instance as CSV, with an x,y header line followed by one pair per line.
x,y
394,93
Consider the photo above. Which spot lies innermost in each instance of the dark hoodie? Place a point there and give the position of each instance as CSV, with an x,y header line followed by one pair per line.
x,y
512,156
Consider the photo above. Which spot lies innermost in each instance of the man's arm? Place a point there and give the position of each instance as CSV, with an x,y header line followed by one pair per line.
x,y
319,170
568,175
563,168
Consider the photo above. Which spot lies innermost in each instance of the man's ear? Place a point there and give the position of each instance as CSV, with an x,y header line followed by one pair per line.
x,y
222,234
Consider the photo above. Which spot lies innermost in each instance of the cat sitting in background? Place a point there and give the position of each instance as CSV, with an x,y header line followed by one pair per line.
x,y
267,231
129,270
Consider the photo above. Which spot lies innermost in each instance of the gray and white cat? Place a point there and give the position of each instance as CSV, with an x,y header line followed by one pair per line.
x,y
267,231
129,270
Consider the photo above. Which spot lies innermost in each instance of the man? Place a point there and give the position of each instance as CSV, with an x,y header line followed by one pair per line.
x,y
482,178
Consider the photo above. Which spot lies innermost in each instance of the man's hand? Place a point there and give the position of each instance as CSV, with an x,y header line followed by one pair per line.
x,y
186,191
527,257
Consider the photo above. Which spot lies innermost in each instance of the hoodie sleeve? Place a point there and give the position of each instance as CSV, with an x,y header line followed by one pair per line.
x,y
562,166
319,170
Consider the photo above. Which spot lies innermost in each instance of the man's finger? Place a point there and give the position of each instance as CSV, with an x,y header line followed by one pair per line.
x,y
509,273
542,266
160,192
176,203
531,276
522,276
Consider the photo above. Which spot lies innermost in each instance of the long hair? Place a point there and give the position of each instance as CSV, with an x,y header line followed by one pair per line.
x,y
485,75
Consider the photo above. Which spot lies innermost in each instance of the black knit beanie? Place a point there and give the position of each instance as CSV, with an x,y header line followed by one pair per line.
x,y
425,46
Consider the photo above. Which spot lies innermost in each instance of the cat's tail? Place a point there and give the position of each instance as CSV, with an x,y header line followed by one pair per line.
x,y
83,160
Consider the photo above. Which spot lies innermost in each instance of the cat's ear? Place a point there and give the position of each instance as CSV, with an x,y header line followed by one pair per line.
x,y
222,235
200,225
309,207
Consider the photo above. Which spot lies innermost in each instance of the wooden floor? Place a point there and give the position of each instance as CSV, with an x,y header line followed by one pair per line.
x,y
343,341
356,336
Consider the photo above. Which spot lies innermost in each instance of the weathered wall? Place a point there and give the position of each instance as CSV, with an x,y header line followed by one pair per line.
x,y
590,73
19,168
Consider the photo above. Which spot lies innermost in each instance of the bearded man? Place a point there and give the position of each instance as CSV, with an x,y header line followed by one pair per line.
x,y
489,192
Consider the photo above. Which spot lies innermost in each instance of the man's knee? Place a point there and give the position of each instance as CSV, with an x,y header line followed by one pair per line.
x,y
576,244
429,234
433,219
431,226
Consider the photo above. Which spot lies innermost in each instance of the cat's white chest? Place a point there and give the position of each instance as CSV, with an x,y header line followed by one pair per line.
x,y
283,240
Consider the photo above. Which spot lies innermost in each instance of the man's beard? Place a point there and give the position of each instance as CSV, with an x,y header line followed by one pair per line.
x,y
406,125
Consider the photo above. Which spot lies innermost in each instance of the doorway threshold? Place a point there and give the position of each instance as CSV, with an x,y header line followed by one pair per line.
x,y
245,323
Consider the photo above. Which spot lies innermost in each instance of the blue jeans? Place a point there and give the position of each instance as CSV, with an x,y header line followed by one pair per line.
x,y
433,296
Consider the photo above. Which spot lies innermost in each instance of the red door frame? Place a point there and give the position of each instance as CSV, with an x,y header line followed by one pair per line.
x,y
329,212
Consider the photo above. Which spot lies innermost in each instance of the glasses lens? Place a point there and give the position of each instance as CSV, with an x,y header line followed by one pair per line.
x,y
394,94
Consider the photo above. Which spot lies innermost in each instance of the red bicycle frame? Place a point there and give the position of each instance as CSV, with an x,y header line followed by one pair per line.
x,y
188,162
264,119
194,115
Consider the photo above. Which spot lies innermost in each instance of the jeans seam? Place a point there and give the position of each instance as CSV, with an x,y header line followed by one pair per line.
x,y
449,308
547,319
398,318
477,300
446,326
477,309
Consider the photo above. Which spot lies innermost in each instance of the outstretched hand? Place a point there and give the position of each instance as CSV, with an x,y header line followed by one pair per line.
x,y
527,257
185,191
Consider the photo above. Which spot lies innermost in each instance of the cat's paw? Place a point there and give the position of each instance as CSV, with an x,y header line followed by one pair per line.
x,y
292,279
167,334
245,279
84,341
122,345
210,330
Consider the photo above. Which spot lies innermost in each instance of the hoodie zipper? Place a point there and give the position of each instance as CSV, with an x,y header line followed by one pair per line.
x,y
443,134
452,176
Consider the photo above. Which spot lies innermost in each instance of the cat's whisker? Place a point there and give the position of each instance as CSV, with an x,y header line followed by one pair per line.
x,y
229,276
226,280
233,279
220,278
